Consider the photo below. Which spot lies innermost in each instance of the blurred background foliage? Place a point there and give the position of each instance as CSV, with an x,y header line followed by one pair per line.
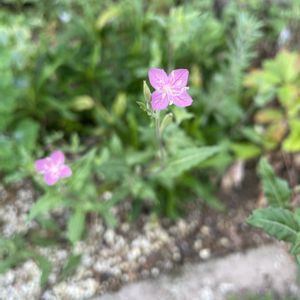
x,y
72,73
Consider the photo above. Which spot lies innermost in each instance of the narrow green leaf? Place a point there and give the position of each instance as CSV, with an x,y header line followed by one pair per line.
x,y
70,266
44,204
187,159
76,226
46,266
147,93
167,120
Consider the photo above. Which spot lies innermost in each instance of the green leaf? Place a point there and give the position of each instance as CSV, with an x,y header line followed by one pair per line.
x,y
187,159
70,266
46,266
119,105
275,189
8,160
147,94
82,170
81,103
297,215
295,249
45,204
26,133
292,142
181,114
286,65
76,225
277,222
108,16
167,120
268,115
245,150
204,191
114,169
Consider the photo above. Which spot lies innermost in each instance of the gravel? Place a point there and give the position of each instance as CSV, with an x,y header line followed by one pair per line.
x,y
111,258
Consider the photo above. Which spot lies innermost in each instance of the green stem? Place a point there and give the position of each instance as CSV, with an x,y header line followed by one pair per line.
x,y
159,140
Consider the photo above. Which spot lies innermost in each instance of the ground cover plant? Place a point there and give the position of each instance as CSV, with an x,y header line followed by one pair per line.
x,y
75,79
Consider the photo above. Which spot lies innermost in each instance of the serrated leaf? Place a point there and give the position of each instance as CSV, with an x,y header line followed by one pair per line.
x,y
295,249
277,222
275,189
285,65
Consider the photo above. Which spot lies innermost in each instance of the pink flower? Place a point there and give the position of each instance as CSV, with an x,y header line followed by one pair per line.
x,y
169,89
53,167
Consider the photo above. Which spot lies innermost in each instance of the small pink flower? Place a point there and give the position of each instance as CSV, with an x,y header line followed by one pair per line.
x,y
53,167
169,89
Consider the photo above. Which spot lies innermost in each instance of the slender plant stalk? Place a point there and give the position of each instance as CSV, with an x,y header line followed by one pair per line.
x,y
159,140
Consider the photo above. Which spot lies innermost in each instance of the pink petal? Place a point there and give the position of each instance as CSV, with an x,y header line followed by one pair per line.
x,y
41,165
65,171
179,78
158,78
58,157
183,99
159,101
51,178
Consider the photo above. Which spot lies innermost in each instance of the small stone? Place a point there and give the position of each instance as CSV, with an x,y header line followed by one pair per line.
x,y
176,256
204,253
125,278
198,245
87,260
168,265
182,227
109,237
125,227
107,195
205,230
155,272
142,260
134,254
145,273
224,241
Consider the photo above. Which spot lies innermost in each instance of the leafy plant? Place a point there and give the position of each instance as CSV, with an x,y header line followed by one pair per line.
x,y
18,132
279,220
16,250
278,80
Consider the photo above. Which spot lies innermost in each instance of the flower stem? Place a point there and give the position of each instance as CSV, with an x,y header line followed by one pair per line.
x,y
159,140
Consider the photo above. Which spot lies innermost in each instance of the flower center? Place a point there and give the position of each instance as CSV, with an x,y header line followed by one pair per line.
x,y
55,169
167,89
